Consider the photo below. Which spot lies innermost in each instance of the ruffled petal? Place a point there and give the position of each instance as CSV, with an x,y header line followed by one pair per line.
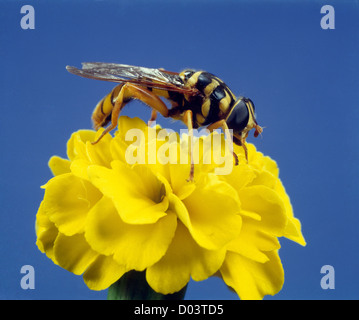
x,y
214,218
118,149
140,146
184,259
89,154
253,243
293,229
76,146
99,153
260,162
264,178
79,168
73,253
125,124
103,272
222,158
138,195
46,233
240,177
266,203
67,201
59,166
179,174
269,165
133,246
250,279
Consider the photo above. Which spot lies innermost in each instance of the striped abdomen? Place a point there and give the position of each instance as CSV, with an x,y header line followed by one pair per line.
x,y
101,115
103,110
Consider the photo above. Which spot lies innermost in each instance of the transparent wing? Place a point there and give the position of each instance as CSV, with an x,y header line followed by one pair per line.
x,y
149,77
133,72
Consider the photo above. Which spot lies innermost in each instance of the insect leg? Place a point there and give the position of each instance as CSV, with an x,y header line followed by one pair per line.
x,y
130,91
243,143
223,124
153,117
188,120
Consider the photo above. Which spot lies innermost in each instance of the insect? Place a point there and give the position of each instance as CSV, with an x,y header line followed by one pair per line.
x,y
197,98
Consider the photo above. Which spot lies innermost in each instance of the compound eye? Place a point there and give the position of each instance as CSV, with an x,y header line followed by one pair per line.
x,y
239,117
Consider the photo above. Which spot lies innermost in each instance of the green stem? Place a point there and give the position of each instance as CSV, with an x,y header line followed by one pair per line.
x,y
133,286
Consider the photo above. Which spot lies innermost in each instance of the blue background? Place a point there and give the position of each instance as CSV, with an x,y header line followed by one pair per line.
x,y
303,79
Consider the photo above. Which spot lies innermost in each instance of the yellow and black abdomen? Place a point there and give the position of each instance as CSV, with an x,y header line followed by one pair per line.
x,y
101,115
215,101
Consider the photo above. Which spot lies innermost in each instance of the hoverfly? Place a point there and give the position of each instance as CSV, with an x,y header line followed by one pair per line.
x,y
197,98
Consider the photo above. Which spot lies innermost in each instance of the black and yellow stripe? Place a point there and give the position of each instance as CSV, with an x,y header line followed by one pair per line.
x,y
102,112
214,102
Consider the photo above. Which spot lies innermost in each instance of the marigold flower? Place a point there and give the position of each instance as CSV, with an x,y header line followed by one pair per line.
x,y
102,217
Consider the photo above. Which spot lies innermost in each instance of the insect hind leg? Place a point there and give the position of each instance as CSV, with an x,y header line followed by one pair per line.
x,y
130,91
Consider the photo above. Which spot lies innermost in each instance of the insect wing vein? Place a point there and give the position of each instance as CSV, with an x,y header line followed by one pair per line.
x,y
147,77
133,72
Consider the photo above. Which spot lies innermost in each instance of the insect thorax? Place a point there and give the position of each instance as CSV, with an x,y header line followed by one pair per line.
x,y
214,100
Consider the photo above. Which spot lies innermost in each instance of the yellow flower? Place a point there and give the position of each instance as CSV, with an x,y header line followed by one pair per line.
x,y
102,216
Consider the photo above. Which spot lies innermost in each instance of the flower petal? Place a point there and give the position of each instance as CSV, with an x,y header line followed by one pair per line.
x,y
270,165
264,178
46,233
73,253
67,201
268,205
59,166
103,272
260,162
214,213
133,246
138,195
293,229
79,168
250,279
99,153
184,259
118,149
179,174
76,146
240,177
252,243
126,123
